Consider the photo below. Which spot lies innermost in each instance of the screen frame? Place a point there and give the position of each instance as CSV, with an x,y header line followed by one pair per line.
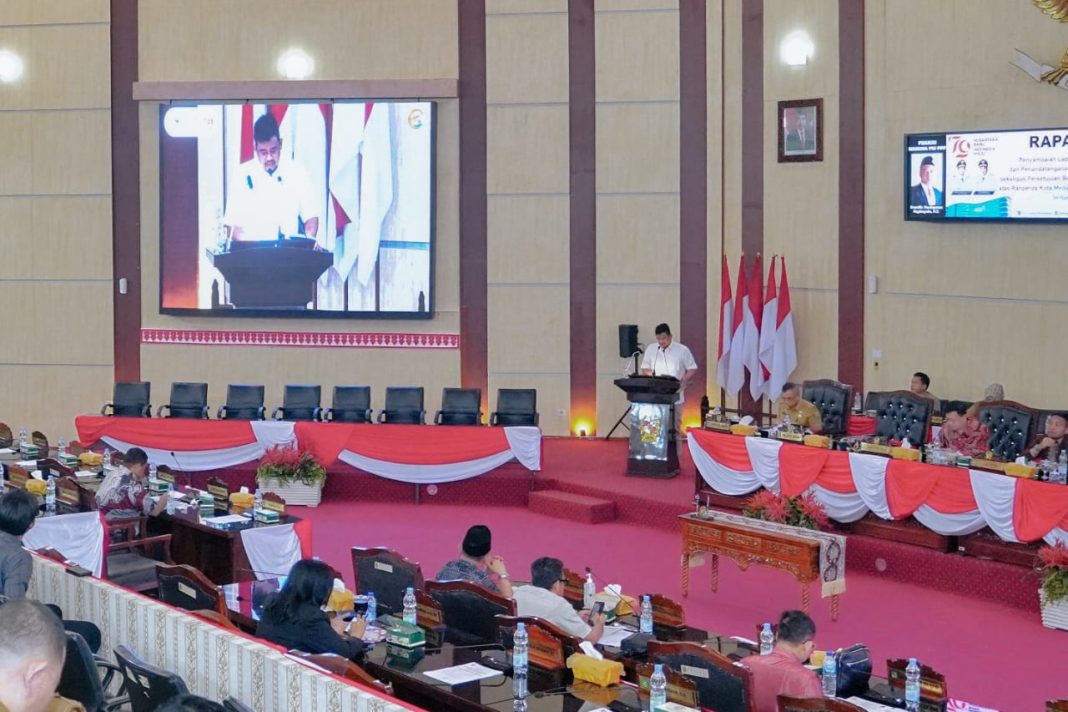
x,y
428,315
909,217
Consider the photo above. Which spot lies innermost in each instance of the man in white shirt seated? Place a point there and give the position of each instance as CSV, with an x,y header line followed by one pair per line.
x,y
670,358
544,599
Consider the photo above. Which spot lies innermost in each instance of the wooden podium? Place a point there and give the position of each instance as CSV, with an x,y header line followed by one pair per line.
x,y
274,274
652,450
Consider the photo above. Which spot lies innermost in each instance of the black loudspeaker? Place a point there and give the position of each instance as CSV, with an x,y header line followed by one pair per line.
x,y
628,340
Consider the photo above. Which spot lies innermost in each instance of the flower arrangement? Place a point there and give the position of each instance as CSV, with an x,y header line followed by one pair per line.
x,y
1054,567
803,511
287,465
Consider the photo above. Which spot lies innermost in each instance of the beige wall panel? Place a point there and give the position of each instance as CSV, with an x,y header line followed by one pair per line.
x,y
57,237
715,127
525,7
732,132
816,326
819,78
554,397
16,153
379,368
529,239
637,148
637,55
526,58
638,239
528,149
529,327
47,398
608,6
81,309
71,152
968,353
43,12
241,40
65,66
998,283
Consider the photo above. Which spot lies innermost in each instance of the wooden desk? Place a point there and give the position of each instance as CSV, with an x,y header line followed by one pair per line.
x,y
799,556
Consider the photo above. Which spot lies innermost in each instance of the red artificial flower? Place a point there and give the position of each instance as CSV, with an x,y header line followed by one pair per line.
x,y
811,508
1054,557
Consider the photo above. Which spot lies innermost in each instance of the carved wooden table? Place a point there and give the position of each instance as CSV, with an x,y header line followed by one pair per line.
x,y
747,545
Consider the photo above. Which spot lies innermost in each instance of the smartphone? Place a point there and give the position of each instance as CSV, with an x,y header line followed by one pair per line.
x,y
598,609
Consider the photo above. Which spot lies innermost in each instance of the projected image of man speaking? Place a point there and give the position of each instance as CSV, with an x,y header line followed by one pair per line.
x,y
270,197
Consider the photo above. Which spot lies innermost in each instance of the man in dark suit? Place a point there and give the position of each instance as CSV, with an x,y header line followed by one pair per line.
x,y
803,138
923,193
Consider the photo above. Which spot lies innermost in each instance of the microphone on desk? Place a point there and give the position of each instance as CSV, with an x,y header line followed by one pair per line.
x,y
188,475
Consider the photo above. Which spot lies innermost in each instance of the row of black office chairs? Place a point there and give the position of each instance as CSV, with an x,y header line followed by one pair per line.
x,y
351,404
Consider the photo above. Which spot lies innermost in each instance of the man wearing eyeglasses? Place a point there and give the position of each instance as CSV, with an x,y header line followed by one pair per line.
x,y
545,599
783,671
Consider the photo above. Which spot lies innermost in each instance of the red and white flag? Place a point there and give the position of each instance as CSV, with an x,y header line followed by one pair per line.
x,y
784,360
753,317
767,329
736,359
726,326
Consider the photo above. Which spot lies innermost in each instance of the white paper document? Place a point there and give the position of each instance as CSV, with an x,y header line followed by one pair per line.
x,y
869,705
226,519
459,674
614,635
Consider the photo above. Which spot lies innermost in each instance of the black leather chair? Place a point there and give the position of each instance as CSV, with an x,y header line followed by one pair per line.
x,y
351,404
834,399
300,402
242,403
188,400
515,406
904,415
876,400
404,404
460,406
130,400
147,686
232,704
387,574
184,586
722,685
470,611
81,679
1011,425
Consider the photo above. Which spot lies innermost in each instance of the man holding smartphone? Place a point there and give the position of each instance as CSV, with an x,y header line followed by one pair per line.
x,y
544,599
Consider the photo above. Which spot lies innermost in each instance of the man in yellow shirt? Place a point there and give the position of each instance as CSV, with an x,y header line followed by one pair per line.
x,y
799,410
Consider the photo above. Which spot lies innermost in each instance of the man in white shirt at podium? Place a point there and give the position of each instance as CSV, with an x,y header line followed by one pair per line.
x,y
670,358
270,196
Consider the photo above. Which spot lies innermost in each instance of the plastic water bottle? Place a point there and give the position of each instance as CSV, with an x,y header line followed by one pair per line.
x,y
767,639
372,607
171,502
22,438
61,447
1062,467
107,458
645,622
519,704
153,472
520,660
410,611
830,675
657,688
858,404
589,590
912,685
257,502
50,495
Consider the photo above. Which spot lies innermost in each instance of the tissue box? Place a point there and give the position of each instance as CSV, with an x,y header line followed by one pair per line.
x,y
266,516
739,429
158,487
240,501
875,449
599,672
67,459
29,450
402,634
341,600
817,441
905,453
1028,471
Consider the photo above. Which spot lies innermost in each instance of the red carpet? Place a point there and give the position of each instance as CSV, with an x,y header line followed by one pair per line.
x,y
969,640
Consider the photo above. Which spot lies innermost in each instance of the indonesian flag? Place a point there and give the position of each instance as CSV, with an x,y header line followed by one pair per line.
x,y
767,328
735,361
784,360
726,309
346,137
753,316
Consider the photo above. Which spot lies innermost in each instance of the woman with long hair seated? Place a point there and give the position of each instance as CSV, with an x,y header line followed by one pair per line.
x,y
294,617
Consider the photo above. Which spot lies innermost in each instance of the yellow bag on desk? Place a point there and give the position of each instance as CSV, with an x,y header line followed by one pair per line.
x,y
341,600
599,672
91,459
37,487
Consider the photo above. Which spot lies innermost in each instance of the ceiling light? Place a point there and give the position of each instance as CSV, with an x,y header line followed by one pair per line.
x,y
10,66
796,49
295,64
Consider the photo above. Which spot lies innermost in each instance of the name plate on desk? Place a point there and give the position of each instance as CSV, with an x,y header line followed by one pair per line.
x,y
905,453
790,437
723,427
991,465
874,449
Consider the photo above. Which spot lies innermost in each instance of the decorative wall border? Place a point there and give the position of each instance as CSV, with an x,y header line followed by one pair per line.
x,y
299,339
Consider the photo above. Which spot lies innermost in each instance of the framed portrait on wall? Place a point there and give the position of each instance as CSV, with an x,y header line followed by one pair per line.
x,y
800,130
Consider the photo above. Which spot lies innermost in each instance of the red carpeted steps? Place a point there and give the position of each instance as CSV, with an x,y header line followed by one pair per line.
x,y
574,507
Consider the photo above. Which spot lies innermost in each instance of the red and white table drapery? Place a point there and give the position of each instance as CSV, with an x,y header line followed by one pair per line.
x,y
422,454
273,550
947,500
188,445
